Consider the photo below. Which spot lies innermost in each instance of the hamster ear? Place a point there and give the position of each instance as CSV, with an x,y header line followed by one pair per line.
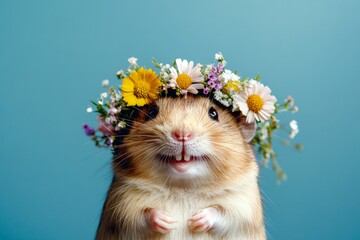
x,y
247,129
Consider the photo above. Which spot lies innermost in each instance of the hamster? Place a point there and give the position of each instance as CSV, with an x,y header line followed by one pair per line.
x,y
185,170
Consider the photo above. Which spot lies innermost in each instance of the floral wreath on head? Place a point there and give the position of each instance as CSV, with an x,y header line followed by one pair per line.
x,y
141,86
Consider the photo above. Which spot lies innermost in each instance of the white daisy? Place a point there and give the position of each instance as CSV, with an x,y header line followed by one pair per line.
x,y
255,102
187,77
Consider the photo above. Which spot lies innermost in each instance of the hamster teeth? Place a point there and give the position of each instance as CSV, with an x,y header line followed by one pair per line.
x,y
187,157
178,157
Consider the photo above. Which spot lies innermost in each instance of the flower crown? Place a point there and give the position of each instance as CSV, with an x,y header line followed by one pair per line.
x,y
141,86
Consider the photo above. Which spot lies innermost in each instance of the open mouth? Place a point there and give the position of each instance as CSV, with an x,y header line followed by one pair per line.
x,y
181,162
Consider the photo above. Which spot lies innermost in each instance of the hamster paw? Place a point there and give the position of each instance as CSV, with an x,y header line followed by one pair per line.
x,y
159,221
203,220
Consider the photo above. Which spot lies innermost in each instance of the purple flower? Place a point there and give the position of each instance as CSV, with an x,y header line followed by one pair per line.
x,y
219,68
88,130
211,83
206,90
106,128
212,76
218,86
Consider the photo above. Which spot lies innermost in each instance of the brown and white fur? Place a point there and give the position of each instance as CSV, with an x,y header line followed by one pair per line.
x,y
210,192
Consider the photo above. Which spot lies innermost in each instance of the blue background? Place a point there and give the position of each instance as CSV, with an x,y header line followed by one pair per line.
x,y
54,55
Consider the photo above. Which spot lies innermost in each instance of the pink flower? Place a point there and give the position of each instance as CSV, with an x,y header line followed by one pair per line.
x,y
106,128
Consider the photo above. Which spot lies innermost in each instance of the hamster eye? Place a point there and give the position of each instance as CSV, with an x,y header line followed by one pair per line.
x,y
213,114
153,112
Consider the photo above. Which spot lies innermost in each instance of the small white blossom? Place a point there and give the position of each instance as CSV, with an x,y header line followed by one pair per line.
x,y
163,72
164,76
225,102
113,119
208,68
252,82
165,68
219,56
121,124
290,100
120,74
228,75
129,71
133,61
101,101
236,102
222,98
294,129
103,95
170,85
112,110
89,109
264,131
115,97
105,83
111,90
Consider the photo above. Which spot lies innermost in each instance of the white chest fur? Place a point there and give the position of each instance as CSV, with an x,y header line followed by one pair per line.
x,y
182,204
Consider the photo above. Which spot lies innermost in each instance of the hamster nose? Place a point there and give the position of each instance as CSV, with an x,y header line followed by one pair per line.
x,y
181,136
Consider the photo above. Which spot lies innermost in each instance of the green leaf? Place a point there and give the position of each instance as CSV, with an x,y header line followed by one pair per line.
x,y
99,108
257,77
157,65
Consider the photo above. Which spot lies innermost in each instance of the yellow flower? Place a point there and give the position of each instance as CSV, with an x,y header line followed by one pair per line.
x,y
141,87
234,86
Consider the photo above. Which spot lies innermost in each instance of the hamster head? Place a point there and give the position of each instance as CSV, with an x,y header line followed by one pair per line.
x,y
186,142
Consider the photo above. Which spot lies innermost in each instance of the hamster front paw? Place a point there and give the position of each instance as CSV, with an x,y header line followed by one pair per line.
x,y
204,219
159,221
